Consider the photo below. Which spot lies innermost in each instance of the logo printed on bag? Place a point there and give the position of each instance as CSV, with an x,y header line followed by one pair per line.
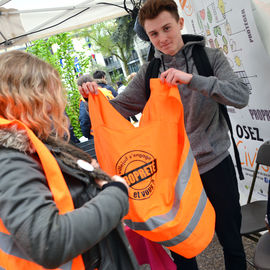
x,y
139,169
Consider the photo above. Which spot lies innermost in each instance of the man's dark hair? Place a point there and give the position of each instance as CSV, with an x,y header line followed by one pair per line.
x,y
152,8
84,79
99,74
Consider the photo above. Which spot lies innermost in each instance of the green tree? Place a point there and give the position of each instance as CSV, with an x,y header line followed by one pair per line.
x,y
114,37
62,58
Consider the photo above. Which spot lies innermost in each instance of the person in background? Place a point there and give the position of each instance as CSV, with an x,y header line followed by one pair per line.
x,y
84,118
205,125
131,76
100,78
57,208
120,86
73,138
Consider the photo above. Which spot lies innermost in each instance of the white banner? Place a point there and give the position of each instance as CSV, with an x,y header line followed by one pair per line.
x,y
230,26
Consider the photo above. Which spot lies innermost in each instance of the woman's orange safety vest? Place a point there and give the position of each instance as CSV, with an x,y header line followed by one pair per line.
x,y
168,204
11,257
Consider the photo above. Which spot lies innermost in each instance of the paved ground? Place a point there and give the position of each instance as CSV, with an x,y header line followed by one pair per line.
x,y
212,257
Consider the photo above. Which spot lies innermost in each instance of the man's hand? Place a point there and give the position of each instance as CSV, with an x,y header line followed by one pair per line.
x,y
174,76
87,88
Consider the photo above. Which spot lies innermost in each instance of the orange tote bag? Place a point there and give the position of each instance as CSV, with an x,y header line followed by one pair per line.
x,y
168,204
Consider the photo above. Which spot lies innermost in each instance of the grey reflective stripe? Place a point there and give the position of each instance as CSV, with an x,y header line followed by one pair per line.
x,y
192,224
1,268
66,266
8,246
157,221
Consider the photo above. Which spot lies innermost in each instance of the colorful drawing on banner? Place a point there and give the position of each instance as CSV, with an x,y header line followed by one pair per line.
x,y
228,28
202,14
225,49
217,43
213,21
209,15
237,60
221,7
214,11
187,7
217,31
233,45
200,23
248,158
229,25
211,43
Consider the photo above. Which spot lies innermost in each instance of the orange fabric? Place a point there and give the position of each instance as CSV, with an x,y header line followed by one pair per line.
x,y
10,262
3,228
151,157
57,185
107,93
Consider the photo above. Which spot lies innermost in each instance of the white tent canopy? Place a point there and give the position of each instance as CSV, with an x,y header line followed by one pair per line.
x,y
33,19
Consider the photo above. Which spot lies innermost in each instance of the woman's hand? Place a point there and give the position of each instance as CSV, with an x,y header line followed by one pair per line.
x,y
87,88
174,76
115,178
100,182
120,179
94,163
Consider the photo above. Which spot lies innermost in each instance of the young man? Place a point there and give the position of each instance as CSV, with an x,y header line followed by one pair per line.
x,y
205,125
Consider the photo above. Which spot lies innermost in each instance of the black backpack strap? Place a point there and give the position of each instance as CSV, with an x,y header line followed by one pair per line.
x,y
151,72
204,68
201,61
224,110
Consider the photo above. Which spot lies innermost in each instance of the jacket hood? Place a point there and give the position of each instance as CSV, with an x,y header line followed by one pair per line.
x,y
102,81
189,41
17,139
66,154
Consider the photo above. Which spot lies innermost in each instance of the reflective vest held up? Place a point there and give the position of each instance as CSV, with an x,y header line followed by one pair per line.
x,y
107,93
168,204
11,257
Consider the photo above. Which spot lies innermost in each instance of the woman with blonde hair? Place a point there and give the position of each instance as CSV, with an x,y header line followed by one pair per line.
x,y
58,210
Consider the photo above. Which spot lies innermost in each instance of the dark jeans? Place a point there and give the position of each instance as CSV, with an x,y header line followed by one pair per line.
x,y
221,187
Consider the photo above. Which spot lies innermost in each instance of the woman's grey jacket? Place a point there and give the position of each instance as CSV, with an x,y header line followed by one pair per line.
x,y
28,211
